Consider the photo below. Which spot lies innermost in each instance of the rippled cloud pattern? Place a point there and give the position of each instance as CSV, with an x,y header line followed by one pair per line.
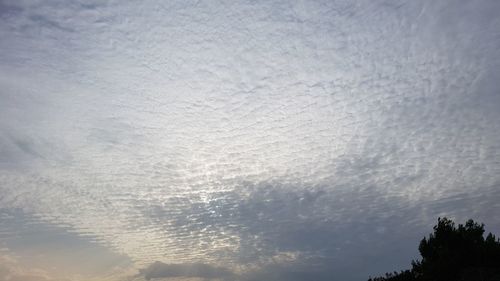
x,y
242,140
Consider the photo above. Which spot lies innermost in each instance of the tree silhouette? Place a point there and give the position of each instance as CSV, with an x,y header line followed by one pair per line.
x,y
454,253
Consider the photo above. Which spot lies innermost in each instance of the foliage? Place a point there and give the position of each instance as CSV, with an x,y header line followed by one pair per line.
x,y
454,253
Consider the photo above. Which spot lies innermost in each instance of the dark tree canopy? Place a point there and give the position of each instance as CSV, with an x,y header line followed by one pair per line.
x,y
454,253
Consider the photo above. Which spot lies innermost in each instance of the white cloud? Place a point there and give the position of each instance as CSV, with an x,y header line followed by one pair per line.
x,y
154,126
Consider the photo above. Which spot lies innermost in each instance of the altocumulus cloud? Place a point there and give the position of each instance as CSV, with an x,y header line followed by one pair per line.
x,y
278,139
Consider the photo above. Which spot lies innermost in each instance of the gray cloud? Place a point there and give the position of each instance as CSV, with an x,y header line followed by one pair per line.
x,y
7,9
205,271
328,232
159,270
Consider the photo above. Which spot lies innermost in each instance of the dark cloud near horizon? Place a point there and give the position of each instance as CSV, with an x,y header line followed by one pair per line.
x,y
159,270
335,232
199,270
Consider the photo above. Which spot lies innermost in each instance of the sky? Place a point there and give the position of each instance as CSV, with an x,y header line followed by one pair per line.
x,y
242,140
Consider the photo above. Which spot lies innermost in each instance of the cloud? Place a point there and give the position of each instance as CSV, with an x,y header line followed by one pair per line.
x,y
6,9
199,270
274,271
322,231
250,132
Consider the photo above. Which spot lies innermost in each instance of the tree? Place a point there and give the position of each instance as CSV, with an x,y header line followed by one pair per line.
x,y
454,253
